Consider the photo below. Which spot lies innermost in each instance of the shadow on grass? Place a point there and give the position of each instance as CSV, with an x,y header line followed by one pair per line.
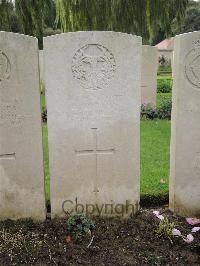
x,y
154,200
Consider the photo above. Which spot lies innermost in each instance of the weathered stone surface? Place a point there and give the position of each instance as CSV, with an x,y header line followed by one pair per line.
x,y
93,101
149,74
185,140
21,156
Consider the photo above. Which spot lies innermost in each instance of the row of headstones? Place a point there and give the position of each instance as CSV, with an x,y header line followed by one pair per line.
x,y
93,87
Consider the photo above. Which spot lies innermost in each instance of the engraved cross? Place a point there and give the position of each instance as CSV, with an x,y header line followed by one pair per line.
x,y
95,152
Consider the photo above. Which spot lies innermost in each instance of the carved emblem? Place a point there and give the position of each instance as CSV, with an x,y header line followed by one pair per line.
x,y
5,67
93,66
192,66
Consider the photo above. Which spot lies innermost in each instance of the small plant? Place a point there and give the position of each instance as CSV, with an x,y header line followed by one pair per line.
x,y
148,112
44,116
163,111
78,226
165,229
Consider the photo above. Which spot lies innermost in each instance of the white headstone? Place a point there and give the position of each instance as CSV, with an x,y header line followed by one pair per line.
x,y
149,74
185,140
93,101
21,156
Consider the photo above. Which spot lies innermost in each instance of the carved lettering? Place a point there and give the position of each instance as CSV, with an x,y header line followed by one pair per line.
x,y
9,114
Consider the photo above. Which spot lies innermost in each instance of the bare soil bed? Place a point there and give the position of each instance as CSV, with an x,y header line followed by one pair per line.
x,y
116,242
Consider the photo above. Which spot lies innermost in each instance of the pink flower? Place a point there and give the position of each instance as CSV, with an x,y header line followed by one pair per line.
x,y
176,232
161,217
157,214
193,221
195,229
189,239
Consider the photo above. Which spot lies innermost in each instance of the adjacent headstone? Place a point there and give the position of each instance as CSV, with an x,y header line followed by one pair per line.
x,y
93,99
185,140
149,74
21,156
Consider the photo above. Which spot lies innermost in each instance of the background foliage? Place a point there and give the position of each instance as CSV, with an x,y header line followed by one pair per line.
x,y
191,21
151,19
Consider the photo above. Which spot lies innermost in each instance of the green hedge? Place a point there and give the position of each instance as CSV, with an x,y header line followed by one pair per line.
x,y
162,111
164,85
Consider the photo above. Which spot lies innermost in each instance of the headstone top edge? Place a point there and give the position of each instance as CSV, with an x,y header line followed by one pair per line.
x,y
167,50
90,32
187,34
17,34
150,47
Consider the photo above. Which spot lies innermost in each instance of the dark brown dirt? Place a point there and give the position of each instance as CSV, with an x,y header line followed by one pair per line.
x,y
116,242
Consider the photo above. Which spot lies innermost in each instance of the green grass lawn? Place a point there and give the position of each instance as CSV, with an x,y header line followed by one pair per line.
x,y
43,102
46,161
155,143
155,138
165,76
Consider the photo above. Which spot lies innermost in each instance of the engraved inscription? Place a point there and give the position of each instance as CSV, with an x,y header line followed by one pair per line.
x,y
9,114
95,152
93,66
192,66
5,67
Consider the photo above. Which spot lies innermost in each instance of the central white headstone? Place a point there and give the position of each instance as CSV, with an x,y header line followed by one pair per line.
x,y
93,102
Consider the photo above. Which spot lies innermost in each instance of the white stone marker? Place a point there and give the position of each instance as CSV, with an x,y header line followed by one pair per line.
x,y
21,156
93,101
185,139
149,74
